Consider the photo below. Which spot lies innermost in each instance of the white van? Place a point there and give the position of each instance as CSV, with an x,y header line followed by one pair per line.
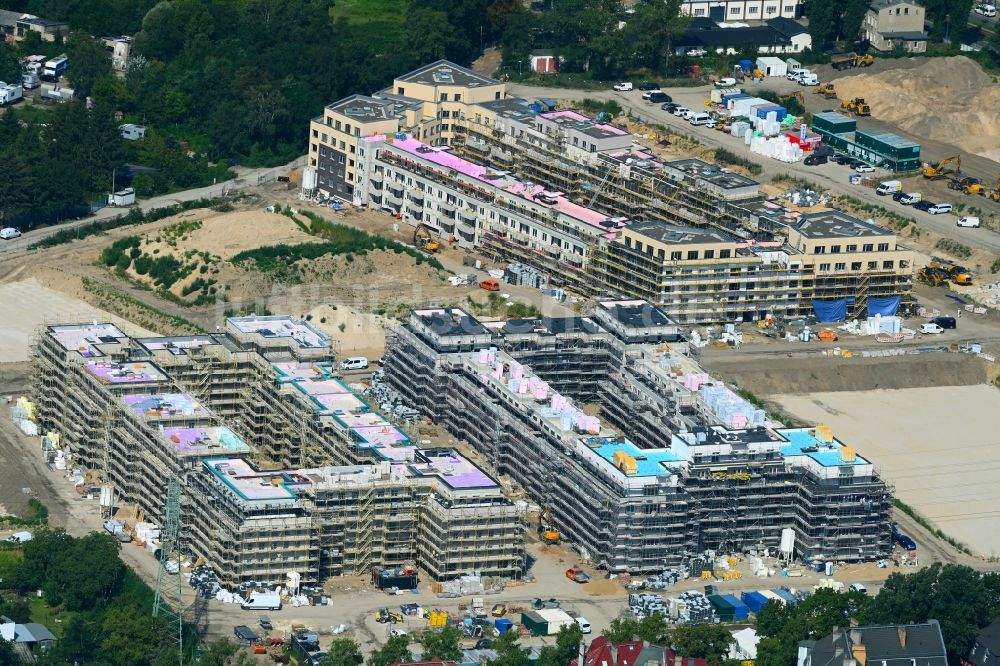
x,y
795,73
968,221
354,363
938,209
700,119
808,80
888,187
9,233
584,625
682,111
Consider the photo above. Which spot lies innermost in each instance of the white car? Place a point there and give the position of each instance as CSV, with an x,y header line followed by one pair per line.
x,y
696,53
931,329
968,221
682,111
583,624
864,168
624,86
393,633
988,11
938,209
9,233
726,82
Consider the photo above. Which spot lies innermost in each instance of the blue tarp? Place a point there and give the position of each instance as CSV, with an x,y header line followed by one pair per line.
x,y
747,65
827,311
883,305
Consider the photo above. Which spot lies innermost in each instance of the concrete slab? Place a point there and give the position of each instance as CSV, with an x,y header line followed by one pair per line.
x,y
937,445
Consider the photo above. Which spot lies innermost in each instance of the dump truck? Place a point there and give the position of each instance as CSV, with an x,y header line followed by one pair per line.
x,y
578,575
943,168
849,60
857,106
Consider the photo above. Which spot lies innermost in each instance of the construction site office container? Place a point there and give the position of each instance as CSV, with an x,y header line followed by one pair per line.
x,y
535,623
831,122
889,144
725,610
731,96
754,601
740,609
762,111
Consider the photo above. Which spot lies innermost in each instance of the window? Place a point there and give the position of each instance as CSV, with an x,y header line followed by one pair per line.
x,y
789,9
725,254
496,96
710,254
872,265
819,249
675,256
734,10
840,265
692,254
752,10
883,247
338,126
906,10
353,150
699,12
400,90
316,134
852,248
856,266
868,247
444,97
458,97
887,265
834,249
824,267
347,127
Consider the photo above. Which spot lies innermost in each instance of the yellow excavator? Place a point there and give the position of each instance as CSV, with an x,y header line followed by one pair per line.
x,y
995,192
826,90
546,530
941,169
857,106
423,240
797,96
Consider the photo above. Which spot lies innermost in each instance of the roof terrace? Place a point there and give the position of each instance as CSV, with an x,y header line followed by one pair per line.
x,y
252,485
176,345
142,372
84,338
280,327
219,439
165,405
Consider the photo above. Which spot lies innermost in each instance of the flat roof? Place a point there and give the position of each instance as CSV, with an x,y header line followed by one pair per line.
x,y
803,442
447,73
889,139
451,468
176,345
836,224
510,107
165,405
253,485
834,117
549,326
204,439
584,124
83,338
450,321
636,313
649,462
712,173
673,234
282,326
139,372
364,108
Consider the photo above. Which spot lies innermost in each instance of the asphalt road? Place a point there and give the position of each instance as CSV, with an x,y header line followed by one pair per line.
x,y
832,177
246,178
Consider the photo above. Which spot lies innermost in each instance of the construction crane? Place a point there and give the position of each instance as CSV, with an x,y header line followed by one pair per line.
x,y
826,90
165,578
857,106
423,240
940,170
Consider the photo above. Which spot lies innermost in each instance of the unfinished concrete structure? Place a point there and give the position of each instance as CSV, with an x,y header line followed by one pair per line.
x,y
677,465
284,467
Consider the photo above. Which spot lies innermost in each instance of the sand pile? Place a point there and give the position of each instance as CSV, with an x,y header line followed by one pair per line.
x,y
354,333
948,99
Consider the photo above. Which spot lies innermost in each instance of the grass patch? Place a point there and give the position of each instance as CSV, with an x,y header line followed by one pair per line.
x,y
954,248
36,515
358,12
732,159
595,106
142,314
920,520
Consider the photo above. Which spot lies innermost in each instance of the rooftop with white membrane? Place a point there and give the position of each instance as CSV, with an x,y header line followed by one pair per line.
x,y
83,338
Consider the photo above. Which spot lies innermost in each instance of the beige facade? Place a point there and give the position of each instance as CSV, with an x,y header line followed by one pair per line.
x,y
429,103
891,26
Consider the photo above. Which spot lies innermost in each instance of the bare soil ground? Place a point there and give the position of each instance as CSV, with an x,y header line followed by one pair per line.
x,y
935,444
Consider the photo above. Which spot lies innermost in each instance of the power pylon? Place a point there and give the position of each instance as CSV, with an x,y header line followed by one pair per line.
x,y
163,607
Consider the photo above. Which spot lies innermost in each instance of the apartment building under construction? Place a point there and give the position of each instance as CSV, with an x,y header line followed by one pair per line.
x,y
675,463
284,467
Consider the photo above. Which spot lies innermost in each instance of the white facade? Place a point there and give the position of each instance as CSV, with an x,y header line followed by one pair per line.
x,y
744,9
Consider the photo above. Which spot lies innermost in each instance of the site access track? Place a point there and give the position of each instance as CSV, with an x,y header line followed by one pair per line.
x,y
829,176
245,179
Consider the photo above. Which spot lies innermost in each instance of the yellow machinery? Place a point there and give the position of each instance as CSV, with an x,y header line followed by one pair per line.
x,y
857,106
797,96
995,192
866,60
941,169
546,530
826,90
968,185
848,60
941,271
423,240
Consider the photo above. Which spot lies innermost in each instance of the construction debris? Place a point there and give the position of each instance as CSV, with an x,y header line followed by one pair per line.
x,y
805,198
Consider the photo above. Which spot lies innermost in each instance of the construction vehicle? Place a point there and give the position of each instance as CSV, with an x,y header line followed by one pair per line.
x,y
968,185
826,90
577,575
941,271
546,530
499,610
826,335
797,96
849,60
423,240
857,106
940,170
995,192
385,615
932,275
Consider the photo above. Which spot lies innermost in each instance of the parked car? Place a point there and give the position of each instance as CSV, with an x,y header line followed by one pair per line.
x,y
931,329
858,587
669,107
864,168
354,363
813,160
896,196
648,95
682,111
660,96
988,11
938,209
844,159
696,53
904,541
923,205
484,644
945,321
726,82
911,198
968,221
583,624
649,85
394,632
624,86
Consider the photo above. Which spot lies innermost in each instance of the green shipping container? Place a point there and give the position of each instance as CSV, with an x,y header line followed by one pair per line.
x,y
723,608
535,623
834,123
890,145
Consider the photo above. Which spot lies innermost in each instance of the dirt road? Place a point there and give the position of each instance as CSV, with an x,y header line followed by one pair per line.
x,y
829,176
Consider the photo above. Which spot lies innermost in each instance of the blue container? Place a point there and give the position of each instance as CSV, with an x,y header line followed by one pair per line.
x,y
754,600
762,111
536,107
726,98
740,609
784,594
747,65
503,625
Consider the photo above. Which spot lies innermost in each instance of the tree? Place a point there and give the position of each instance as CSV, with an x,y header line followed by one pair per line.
x,y
343,652
621,629
708,641
128,633
395,651
10,68
91,62
442,644
850,21
822,23
8,657
656,24
566,648
510,653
